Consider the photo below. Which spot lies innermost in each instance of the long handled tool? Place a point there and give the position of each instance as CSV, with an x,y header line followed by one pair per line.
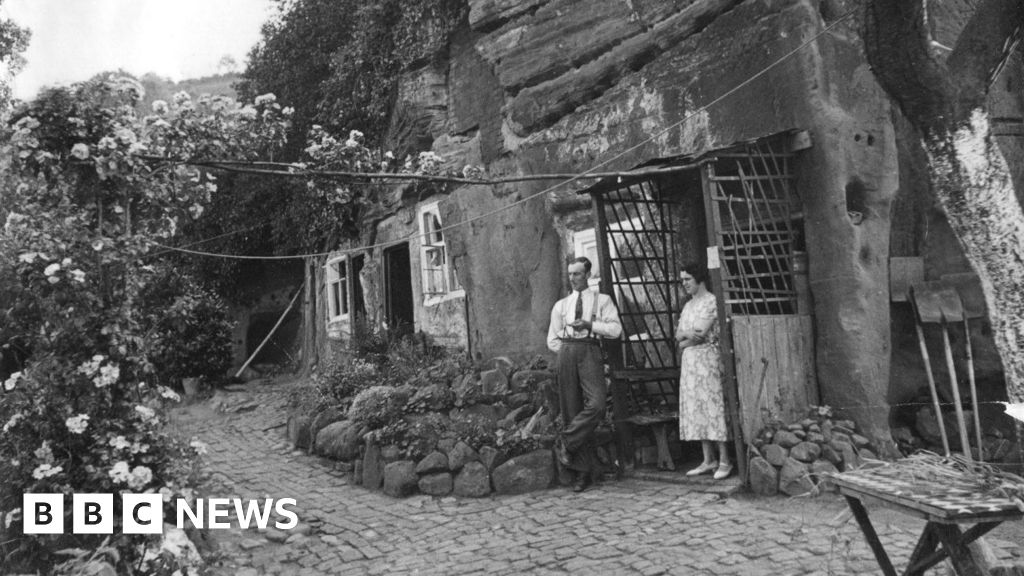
x,y
974,385
916,297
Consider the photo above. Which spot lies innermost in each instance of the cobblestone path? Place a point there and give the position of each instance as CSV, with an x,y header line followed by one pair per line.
x,y
624,527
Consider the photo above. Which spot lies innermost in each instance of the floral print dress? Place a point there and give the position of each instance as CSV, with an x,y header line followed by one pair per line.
x,y
701,401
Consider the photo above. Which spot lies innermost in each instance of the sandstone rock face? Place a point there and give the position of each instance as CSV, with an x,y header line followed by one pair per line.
x,y
764,478
339,440
473,481
400,478
794,478
526,473
433,463
439,484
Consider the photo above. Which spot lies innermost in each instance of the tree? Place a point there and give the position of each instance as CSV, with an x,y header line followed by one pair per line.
x,y
13,42
938,64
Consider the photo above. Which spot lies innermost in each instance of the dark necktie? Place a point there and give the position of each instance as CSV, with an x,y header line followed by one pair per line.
x,y
579,306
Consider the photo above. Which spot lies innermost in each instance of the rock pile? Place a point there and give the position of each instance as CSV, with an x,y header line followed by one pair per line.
x,y
796,458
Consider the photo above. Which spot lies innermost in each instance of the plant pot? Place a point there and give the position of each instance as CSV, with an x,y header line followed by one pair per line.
x,y
191,386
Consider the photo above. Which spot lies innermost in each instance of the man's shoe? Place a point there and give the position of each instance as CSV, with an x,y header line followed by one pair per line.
x,y
581,483
561,452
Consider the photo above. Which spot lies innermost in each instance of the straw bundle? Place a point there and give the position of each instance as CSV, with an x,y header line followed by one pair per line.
x,y
956,470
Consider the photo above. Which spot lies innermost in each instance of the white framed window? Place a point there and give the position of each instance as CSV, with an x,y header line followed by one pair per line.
x,y
337,289
585,244
439,280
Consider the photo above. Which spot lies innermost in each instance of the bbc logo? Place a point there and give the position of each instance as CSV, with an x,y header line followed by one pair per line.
x,y
144,513
93,514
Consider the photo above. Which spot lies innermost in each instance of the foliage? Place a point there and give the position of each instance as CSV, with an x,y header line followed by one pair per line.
x,y
475,430
84,203
343,379
13,42
191,331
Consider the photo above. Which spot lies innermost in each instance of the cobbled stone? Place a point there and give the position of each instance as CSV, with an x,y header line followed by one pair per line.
x,y
643,527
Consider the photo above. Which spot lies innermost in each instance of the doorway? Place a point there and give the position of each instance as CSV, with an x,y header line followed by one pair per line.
x,y
398,305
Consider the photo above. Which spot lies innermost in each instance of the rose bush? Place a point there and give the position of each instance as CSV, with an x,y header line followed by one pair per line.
x,y
83,202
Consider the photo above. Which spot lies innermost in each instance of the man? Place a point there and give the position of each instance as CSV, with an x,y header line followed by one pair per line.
x,y
577,322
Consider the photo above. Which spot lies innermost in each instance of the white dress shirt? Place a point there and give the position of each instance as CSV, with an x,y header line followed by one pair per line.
x,y
606,323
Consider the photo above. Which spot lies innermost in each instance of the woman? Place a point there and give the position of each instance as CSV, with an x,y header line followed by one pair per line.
x,y
701,402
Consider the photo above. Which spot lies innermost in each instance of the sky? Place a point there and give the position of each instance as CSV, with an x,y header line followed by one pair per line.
x,y
72,40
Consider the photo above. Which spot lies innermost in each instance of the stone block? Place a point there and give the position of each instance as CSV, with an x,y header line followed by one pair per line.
x,y
860,441
815,437
794,478
433,463
805,452
764,478
400,479
492,457
300,431
775,454
821,471
529,380
373,467
439,484
472,481
461,455
493,383
832,455
526,473
322,419
851,459
786,439
339,440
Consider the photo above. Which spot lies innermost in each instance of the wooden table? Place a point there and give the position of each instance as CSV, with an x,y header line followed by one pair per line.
x,y
944,505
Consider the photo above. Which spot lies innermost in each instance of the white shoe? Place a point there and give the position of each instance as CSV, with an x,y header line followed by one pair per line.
x,y
723,471
703,469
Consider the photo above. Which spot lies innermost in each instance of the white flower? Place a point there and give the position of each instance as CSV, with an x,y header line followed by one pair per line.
x,y
13,421
11,382
107,143
169,394
77,424
119,442
45,471
52,269
125,135
389,155
137,447
140,476
287,111
12,517
199,446
97,245
159,107
28,257
182,97
80,151
120,472
43,452
266,99
107,376
355,135
145,412
247,112
350,143
78,275
166,493
89,368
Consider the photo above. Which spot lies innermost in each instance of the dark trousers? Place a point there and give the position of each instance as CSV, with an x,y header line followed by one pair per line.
x,y
581,397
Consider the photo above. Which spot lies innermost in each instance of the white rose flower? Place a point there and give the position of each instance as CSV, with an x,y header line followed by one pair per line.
x,y
45,471
11,382
78,275
140,476
80,151
77,424
159,107
120,472
145,412
119,442
52,269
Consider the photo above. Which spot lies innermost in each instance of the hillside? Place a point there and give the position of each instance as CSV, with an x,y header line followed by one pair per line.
x,y
158,88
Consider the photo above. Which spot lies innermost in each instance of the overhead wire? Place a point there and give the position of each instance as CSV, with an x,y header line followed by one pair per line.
x,y
574,178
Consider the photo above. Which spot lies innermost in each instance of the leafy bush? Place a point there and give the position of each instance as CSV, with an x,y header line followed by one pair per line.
x,y
343,379
192,334
475,430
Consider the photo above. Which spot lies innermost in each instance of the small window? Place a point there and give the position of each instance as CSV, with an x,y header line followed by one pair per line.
x,y
337,288
439,278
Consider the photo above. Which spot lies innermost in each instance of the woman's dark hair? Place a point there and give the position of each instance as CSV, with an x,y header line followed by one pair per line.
x,y
699,273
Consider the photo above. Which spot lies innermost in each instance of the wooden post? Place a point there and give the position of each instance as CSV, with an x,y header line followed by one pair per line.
x,y
964,441
729,383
